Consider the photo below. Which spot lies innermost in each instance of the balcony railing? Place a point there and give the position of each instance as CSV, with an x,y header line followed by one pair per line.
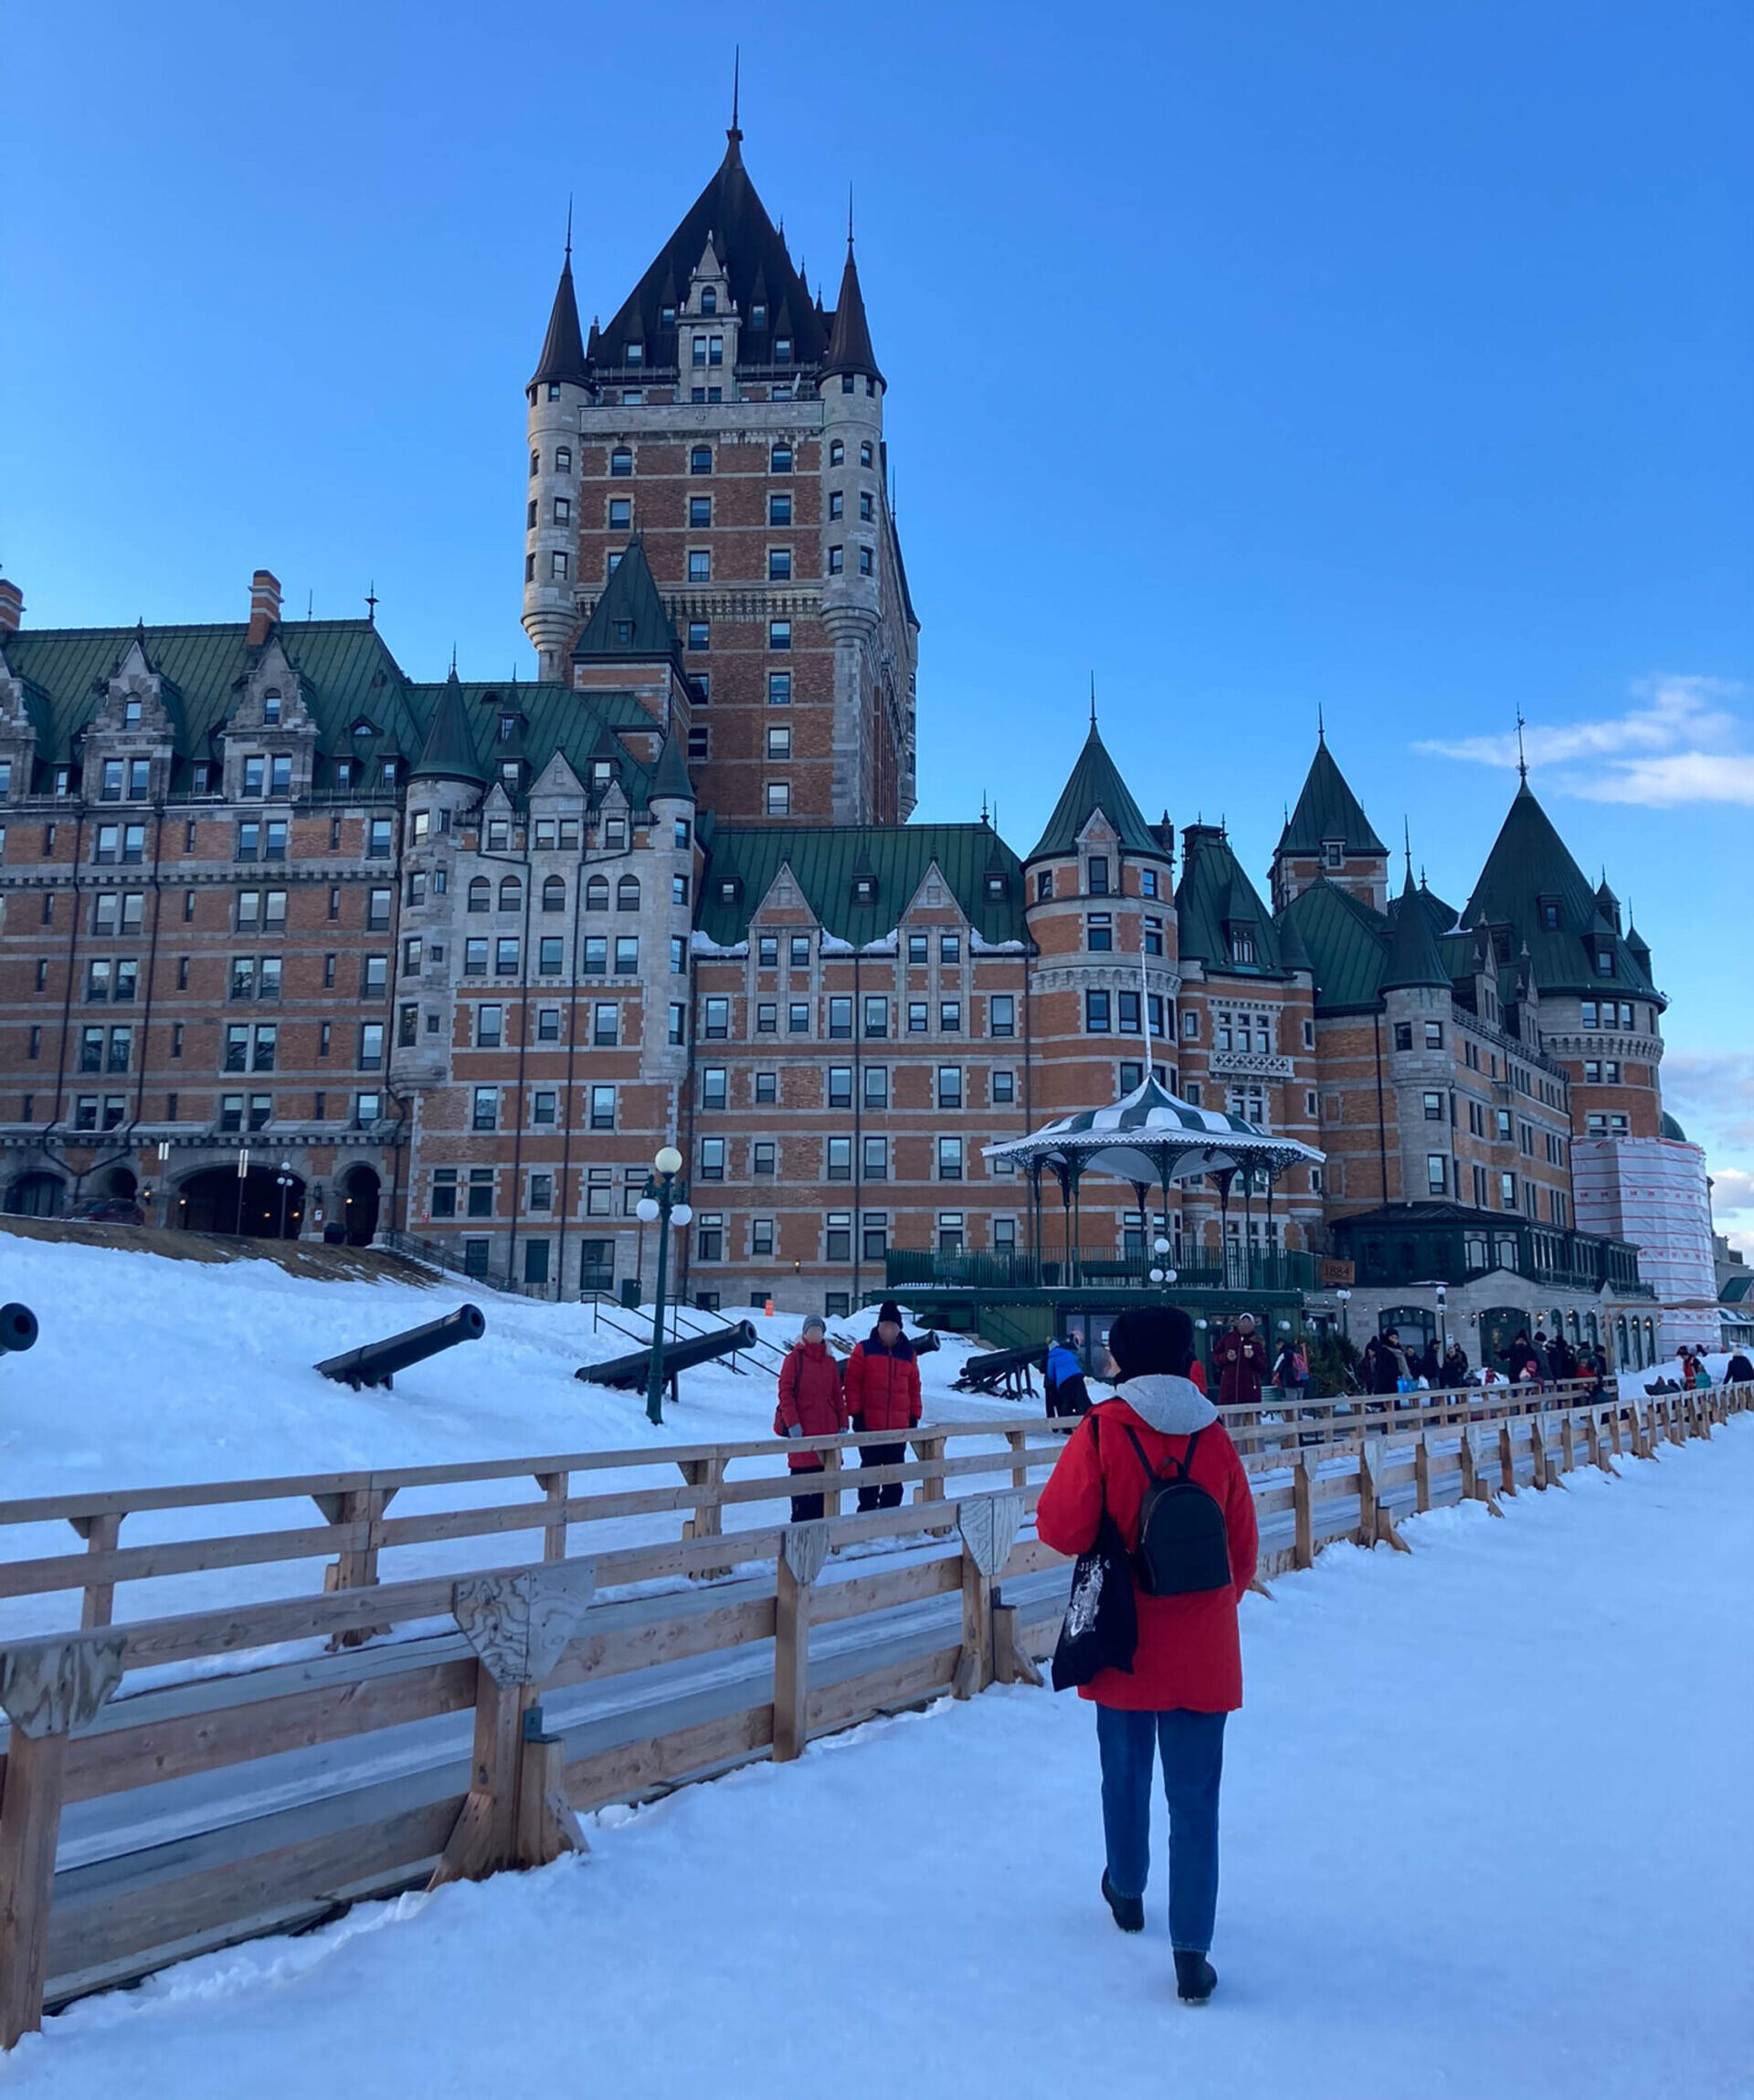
x,y
1233,1269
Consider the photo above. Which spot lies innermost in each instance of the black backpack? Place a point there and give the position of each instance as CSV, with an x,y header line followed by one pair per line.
x,y
1184,1548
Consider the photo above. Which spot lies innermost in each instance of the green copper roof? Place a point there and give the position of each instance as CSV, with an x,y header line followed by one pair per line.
x,y
629,623
671,779
1096,784
1214,895
1413,958
449,751
1528,869
1327,808
1672,1131
1346,945
825,859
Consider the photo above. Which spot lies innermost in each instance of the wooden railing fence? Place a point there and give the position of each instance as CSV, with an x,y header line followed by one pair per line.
x,y
134,1830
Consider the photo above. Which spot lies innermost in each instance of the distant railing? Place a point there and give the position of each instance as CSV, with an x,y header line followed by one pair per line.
x,y
1235,1269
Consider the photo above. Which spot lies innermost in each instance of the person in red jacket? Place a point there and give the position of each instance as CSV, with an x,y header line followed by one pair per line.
x,y
1243,1364
1186,1674
884,1393
813,1403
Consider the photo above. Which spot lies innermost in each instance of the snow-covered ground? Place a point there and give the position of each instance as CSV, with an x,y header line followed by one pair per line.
x,y
1485,1834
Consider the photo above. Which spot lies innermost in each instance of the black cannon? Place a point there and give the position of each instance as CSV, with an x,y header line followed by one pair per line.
x,y
1003,1372
377,1363
925,1341
632,1372
17,1329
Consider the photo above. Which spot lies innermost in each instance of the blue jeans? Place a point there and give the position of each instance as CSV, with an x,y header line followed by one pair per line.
x,y
1193,1763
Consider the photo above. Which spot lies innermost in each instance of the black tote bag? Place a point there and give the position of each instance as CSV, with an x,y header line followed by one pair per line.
x,y
1101,1623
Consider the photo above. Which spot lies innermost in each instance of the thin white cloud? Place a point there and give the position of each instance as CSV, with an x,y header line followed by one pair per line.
x,y
1679,743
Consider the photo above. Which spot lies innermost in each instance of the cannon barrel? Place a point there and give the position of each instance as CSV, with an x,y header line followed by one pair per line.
x,y
981,1373
17,1329
377,1363
925,1341
630,1372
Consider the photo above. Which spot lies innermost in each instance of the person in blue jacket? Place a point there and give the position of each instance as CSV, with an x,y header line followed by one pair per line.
x,y
1064,1380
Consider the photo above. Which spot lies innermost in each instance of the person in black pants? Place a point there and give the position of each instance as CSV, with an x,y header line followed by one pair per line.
x,y
884,1393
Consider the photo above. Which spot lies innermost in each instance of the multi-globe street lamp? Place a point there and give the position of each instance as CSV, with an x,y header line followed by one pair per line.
x,y
662,1206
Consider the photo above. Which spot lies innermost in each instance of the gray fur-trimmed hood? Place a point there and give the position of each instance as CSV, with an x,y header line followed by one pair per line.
x,y
1172,1406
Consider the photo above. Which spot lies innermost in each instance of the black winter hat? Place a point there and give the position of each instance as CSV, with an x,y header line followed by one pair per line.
x,y
1152,1338
890,1310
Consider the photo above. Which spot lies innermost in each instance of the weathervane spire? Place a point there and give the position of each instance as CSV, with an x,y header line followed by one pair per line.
x,y
1522,758
735,133
1407,842
1093,700
569,225
371,603
1321,724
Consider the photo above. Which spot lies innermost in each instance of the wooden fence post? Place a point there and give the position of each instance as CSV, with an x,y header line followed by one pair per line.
x,y
708,1520
1303,1508
47,1689
803,1548
101,1535
519,1626
930,1449
1538,1446
1506,1459
1567,1443
989,1525
1677,1421
354,1566
1376,1527
555,1487
831,1504
1422,1473
1017,1439
1613,1427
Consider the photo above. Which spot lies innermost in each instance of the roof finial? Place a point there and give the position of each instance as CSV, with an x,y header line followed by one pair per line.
x,y
983,805
848,219
1407,842
454,660
569,225
735,133
1093,700
1522,759
1320,725
371,603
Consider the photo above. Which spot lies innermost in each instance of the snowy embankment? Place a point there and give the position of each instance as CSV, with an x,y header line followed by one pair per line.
x,y
152,1370
1482,1836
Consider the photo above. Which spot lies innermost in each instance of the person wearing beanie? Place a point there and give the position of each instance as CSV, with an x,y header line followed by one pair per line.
x,y
1187,1673
813,1403
884,1393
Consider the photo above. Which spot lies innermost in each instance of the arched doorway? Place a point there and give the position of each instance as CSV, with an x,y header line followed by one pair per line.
x,y
124,1183
360,1191
36,1196
215,1200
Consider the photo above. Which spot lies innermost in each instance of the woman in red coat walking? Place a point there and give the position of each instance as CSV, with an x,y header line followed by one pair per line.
x,y
1242,1362
884,1393
1187,1673
811,1404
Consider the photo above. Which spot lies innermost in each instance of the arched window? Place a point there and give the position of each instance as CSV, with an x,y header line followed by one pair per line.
x,y
553,895
709,299
512,894
481,894
700,460
864,453
597,893
627,893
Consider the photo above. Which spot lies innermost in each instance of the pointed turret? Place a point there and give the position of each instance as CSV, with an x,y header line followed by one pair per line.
x,y
1328,833
1640,946
671,783
449,751
1095,784
1292,953
850,348
1413,958
629,623
562,361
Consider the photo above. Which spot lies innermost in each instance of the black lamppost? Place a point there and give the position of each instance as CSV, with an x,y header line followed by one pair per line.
x,y
284,1179
243,1176
662,1205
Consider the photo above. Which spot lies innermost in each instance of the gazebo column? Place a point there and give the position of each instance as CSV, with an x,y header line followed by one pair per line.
x,y
1063,1174
1163,1172
1224,1178
1072,1167
1269,1233
1248,1228
1035,1214
1141,1191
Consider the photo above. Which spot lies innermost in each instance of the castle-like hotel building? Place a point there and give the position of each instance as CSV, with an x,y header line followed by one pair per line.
x,y
454,960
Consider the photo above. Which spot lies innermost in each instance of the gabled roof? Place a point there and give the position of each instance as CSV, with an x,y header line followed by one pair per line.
x,y
1214,894
1413,958
449,751
824,859
1095,784
1530,863
850,341
629,623
750,249
563,348
1327,808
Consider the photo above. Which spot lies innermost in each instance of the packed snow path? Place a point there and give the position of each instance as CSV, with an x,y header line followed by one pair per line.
x,y
1487,1831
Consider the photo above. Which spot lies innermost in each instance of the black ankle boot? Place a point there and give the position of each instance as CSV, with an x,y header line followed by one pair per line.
x,y
1129,1910
1195,1978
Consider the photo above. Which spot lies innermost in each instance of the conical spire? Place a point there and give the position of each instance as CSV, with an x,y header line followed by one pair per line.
x,y
1413,958
1327,808
449,752
850,339
563,348
671,783
1095,784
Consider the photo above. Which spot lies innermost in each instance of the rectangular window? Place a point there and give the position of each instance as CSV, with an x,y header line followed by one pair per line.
x,y
876,1017
481,1202
779,689
264,1048
544,1106
777,798
837,1237
950,1016
874,1159
761,1158
950,1159
768,1017
602,1108
1003,1089
919,1016
1097,880
1403,1035
489,1021
1126,1013
797,1018
840,1086
1437,1171
1507,1191
1099,933
1433,1108
606,1025
443,1200
1096,1022
371,1046
839,1159
779,634
949,1086
487,1108
779,741
712,1159
1433,1035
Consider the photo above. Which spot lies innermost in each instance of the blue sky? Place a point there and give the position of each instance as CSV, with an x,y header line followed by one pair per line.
x,y
1393,360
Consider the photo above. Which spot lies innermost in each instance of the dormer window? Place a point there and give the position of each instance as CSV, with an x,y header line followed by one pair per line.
x,y
666,317
709,299
782,350
363,727
271,710
508,727
1549,907
599,773
1333,852
864,889
636,353
1097,882
996,889
344,773
131,714
510,773
1242,944
624,633
759,315
728,890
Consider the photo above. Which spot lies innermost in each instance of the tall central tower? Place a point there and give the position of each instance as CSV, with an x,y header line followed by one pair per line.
x,y
734,425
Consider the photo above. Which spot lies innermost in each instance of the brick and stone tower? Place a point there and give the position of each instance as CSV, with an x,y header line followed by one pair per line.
x,y
737,428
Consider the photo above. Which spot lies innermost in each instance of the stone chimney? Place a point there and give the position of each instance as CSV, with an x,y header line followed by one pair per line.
x,y
12,607
264,606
